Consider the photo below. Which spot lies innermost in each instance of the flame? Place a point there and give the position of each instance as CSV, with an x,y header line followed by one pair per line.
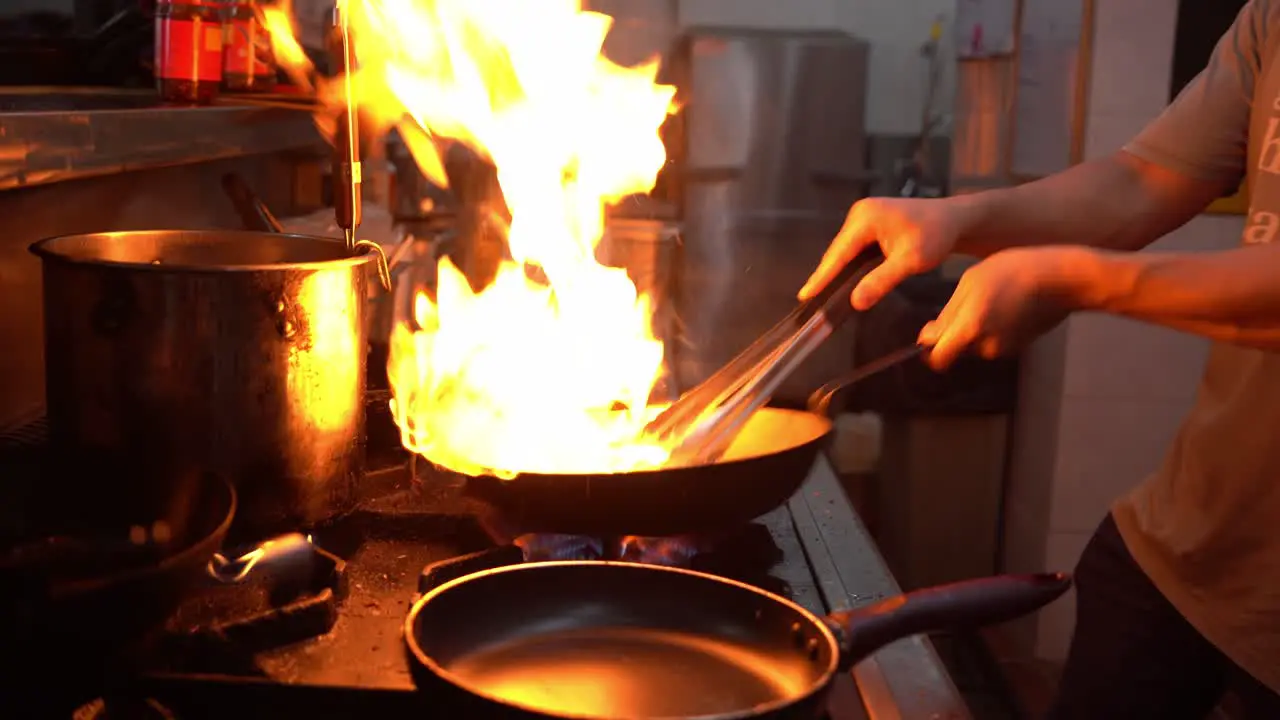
x,y
277,20
549,368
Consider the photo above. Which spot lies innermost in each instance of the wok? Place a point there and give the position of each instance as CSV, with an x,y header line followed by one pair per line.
x,y
80,586
766,464
764,467
622,640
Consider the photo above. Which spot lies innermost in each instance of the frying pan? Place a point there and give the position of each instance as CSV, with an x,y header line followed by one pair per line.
x,y
766,464
80,587
622,640
763,468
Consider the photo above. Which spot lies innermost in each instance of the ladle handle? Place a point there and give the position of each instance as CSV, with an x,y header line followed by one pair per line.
x,y
820,401
254,214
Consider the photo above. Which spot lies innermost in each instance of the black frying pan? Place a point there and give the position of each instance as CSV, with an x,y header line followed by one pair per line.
x,y
764,467
79,587
621,640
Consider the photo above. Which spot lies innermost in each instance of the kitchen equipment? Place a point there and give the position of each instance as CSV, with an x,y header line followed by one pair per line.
x,y
764,464
171,352
347,195
771,155
609,640
79,584
241,651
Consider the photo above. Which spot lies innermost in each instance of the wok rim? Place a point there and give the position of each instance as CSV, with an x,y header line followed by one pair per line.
x,y
46,250
424,660
93,584
822,437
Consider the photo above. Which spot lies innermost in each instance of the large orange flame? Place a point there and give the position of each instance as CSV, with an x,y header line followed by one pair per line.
x,y
549,375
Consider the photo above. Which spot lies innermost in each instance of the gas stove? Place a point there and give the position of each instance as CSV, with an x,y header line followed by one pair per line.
x,y
310,624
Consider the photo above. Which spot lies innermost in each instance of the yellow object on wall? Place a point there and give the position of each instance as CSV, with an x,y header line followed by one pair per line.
x,y
1237,204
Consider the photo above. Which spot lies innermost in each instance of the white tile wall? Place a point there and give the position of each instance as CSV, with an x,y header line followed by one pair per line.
x,y
1116,359
1106,447
1132,57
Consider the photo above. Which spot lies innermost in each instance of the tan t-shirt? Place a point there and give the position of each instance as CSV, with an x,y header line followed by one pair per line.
x,y
1206,526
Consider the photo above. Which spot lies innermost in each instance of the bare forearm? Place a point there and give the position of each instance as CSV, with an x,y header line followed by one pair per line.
x,y
1116,203
1231,296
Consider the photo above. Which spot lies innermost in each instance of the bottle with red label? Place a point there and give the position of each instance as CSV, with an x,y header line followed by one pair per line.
x,y
189,39
248,65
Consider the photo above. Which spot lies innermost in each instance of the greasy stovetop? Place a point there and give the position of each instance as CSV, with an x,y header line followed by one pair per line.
x,y
345,603
322,621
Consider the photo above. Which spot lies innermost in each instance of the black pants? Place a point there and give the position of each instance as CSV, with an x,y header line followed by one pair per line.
x,y
1133,657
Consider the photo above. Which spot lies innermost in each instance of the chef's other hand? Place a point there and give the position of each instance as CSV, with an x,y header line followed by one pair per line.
x,y
1005,301
915,235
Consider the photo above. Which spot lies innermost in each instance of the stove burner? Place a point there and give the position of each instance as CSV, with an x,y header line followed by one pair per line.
x,y
668,551
550,546
747,555
282,591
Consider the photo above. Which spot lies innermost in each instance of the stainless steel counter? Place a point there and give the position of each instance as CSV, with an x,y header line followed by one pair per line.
x,y
905,680
54,134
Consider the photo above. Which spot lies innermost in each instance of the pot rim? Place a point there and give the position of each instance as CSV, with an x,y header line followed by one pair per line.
x,y
47,250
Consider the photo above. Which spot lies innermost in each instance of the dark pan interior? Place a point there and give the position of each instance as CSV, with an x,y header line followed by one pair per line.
x,y
613,640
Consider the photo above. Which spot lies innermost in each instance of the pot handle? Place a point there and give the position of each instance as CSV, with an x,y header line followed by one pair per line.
x,y
964,604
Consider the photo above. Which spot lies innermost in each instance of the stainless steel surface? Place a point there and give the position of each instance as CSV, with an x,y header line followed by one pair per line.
x,y
171,353
906,680
773,156
642,29
65,135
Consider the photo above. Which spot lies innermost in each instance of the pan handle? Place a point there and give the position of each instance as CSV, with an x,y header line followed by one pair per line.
x,y
964,604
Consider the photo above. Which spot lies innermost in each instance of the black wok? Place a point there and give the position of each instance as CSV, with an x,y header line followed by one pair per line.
x,y
765,466
622,640
80,587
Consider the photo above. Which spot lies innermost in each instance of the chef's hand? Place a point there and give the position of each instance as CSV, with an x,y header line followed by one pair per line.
x,y
916,235
1007,300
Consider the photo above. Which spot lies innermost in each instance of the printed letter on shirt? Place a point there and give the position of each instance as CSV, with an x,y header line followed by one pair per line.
x,y
1262,228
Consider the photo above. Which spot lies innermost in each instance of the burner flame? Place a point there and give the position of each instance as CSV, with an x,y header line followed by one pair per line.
x,y
665,551
542,547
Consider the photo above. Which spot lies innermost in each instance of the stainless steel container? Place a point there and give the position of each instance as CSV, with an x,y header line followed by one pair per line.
x,y
173,353
772,158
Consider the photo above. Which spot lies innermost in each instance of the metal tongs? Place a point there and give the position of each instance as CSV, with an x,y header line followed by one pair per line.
x,y
704,421
347,173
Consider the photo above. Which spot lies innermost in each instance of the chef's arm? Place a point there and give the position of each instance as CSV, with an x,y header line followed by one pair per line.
x,y
1119,202
1230,296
